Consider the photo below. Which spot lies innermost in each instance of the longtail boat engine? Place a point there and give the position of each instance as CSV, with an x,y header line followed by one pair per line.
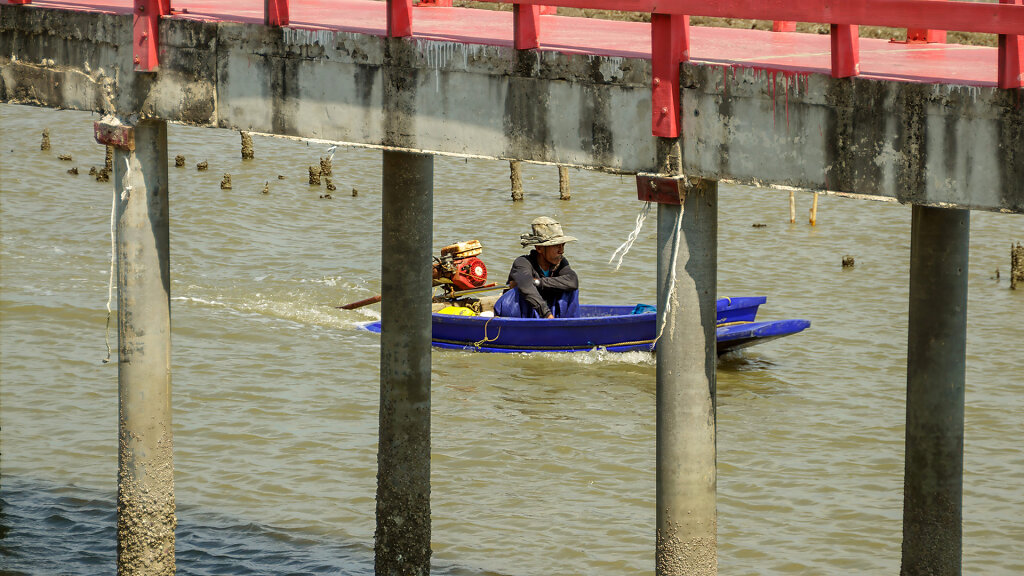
x,y
459,268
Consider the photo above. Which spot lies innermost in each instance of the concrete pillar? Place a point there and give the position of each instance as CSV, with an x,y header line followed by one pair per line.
x,y
402,539
933,474
687,519
145,482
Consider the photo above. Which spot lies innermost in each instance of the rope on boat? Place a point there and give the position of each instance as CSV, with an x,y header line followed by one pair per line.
x,y
624,248
551,348
113,245
478,343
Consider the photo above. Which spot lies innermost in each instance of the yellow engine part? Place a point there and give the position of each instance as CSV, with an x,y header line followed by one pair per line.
x,y
457,311
463,249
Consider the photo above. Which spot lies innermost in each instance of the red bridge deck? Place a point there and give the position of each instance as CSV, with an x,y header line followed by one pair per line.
x,y
782,51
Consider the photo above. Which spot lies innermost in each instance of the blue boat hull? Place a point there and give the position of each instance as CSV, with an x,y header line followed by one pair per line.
x,y
613,328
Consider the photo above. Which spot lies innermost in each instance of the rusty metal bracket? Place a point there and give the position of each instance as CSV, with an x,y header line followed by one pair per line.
x,y
112,132
661,189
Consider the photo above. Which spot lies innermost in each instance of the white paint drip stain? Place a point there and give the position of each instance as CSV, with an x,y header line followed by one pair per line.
x,y
306,37
442,55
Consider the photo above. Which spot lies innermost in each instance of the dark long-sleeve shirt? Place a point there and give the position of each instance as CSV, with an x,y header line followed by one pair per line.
x,y
525,270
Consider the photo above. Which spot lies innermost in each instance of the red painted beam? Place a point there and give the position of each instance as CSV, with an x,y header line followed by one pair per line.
x,y
845,50
962,16
275,12
925,36
670,46
783,26
922,36
399,18
19,1
145,28
1011,56
526,26
436,3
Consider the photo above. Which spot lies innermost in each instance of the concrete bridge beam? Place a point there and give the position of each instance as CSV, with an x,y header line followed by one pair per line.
x,y
402,538
938,143
145,481
937,344
686,477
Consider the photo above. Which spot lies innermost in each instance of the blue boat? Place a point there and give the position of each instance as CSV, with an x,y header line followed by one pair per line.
x,y
611,328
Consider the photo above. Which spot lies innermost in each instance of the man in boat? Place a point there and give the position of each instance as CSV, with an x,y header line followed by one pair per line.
x,y
541,283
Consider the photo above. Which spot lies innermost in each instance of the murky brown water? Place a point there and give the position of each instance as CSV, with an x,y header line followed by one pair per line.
x,y
541,464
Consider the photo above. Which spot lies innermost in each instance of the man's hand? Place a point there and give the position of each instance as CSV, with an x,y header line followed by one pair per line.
x,y
550,316
512,284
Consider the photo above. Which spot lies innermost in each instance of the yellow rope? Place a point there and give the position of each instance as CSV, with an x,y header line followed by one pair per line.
x,y
737,323
486,339
551,348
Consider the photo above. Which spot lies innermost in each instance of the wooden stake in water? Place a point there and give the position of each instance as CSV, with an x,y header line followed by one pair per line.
x,y
792,207
517,180
563,183
247,151
814,210
1016,265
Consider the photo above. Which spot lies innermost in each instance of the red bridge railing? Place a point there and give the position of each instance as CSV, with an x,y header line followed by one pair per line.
x,y
925,21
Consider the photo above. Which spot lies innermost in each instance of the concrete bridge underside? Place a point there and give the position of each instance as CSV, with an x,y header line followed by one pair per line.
x,y
946,137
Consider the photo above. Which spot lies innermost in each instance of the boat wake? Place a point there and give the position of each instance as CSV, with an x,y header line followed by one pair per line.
x,y
601,356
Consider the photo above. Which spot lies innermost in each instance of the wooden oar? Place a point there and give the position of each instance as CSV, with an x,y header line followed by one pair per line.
x,y
361,303
375,299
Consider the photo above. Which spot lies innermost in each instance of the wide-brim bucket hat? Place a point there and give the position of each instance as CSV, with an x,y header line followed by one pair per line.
x,y
545,232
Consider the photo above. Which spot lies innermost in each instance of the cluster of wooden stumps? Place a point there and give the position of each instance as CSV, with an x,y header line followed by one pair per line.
x,y
812,217
101,174
516,177
685,534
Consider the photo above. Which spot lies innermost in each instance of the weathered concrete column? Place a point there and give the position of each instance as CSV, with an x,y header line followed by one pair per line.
x,y
402,539
937,343
687,520
145,482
